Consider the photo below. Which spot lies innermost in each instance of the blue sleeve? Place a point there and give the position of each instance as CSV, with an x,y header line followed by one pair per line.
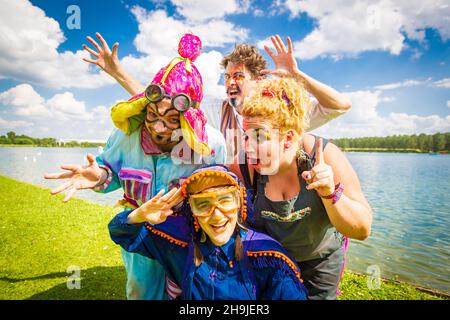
x,y
112,181
137,239
279,285
128,236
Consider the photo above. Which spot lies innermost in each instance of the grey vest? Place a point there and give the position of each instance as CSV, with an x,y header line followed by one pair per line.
x,y
300,224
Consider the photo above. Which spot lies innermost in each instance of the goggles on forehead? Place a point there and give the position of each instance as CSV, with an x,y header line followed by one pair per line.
x,y
226,200
181,101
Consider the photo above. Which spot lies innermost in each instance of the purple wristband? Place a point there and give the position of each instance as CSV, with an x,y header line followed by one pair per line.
x,y
336,195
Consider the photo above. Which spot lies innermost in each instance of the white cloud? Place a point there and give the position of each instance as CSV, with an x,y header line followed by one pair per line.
x,y
159,33
444,83
402,84
388,99
62,115
208,65
363,120
346,28
24,101
201,10
158,39
9,125
64,106
448,103
28,50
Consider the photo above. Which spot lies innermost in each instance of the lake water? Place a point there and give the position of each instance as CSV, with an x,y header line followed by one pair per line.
x,y
409,194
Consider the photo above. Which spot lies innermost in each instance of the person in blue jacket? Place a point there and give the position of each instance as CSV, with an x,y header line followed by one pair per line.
x,y
205,249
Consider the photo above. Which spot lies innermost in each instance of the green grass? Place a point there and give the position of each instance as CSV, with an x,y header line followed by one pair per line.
x,y
41,237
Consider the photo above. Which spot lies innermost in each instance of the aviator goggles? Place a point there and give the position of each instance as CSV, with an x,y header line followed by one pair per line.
x,y
204,204
181,101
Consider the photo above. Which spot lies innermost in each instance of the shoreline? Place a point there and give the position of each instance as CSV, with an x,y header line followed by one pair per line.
x,y
362,150
432,291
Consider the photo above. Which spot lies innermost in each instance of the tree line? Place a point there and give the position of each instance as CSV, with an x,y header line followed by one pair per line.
x,y
11,138
439,142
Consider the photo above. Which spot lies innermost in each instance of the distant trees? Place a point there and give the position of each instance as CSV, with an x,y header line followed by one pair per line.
x,y
12,138
439,142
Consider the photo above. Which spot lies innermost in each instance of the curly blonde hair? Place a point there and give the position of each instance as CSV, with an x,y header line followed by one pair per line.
x,y
283,102
249,56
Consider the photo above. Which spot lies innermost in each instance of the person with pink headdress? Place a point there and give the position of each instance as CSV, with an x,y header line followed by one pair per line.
x,y
164,140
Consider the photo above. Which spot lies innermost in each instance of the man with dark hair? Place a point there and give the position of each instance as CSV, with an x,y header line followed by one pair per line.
x,y
243,66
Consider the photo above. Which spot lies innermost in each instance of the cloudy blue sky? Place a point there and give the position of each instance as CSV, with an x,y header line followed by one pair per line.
x,y
392,58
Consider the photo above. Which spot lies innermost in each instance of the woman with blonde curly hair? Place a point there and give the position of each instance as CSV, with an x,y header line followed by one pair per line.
x,y
305,193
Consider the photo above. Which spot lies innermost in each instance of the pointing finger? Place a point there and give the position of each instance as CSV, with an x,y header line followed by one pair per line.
x,y
319,151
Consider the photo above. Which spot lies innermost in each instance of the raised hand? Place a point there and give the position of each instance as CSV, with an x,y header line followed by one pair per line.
x,y
157,209
320,177
80,177
105,57
285,63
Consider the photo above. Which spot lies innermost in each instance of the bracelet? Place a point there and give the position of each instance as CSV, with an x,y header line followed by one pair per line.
x,y
336,195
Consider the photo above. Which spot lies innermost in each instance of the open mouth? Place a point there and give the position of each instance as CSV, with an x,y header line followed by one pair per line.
x,y
219,227
162,137
233,92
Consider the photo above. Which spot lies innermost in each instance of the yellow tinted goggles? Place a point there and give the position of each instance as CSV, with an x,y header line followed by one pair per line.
x,y
204,204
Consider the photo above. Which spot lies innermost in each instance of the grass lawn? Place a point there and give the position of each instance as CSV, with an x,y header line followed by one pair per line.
x,y
41,238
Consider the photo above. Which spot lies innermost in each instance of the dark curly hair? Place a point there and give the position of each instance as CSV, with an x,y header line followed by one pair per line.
x,y
249,56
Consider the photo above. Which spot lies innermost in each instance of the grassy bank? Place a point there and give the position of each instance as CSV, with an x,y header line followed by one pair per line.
x,y
41,238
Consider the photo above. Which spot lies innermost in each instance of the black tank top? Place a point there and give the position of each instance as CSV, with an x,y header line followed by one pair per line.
x,y
300,224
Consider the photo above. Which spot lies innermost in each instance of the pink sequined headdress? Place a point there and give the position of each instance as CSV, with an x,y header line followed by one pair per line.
x,y
179,76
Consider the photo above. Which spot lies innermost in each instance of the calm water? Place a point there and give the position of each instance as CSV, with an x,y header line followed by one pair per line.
x,y
409,193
